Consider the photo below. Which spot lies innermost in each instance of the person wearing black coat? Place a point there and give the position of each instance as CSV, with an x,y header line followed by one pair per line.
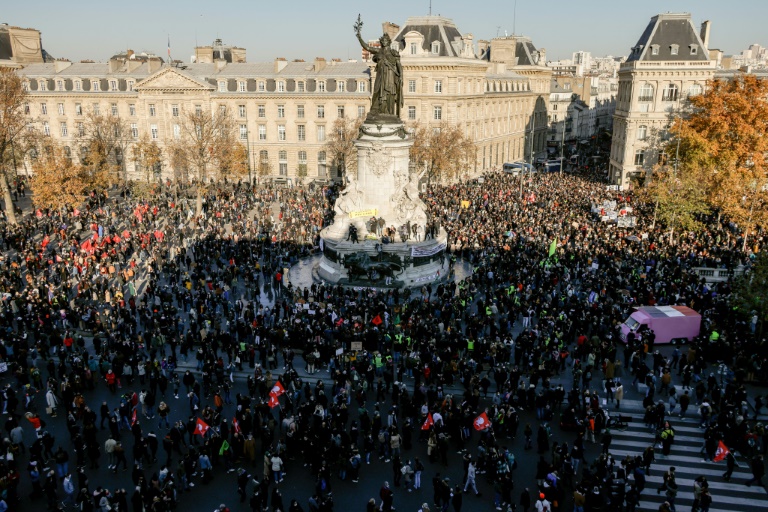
x,y
457,499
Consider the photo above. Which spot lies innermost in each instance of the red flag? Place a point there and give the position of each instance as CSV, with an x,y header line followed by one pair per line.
x,y
58,259
133,418
126,234
482,422
377,320
202,428
46,241
87,246
428,422
277,389
236,425
721,452
273,401
159,235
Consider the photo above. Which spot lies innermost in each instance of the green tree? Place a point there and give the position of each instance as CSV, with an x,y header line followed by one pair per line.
x,y
750,291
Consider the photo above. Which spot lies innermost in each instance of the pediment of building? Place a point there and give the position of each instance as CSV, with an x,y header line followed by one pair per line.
x,y
171,79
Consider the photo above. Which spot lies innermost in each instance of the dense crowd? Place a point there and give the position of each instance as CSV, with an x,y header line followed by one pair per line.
x,y
123,291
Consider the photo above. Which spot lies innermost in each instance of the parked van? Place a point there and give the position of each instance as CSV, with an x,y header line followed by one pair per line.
x,y
669,323
514,168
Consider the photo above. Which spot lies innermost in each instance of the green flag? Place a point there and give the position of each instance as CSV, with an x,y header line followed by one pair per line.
x,y
553,247
224,447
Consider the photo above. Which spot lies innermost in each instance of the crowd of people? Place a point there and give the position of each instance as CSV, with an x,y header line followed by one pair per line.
x,y
166,306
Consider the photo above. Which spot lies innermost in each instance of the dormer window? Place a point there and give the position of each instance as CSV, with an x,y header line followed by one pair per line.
x,y
694,49
222,86
435,47
674,49
414,48
654,49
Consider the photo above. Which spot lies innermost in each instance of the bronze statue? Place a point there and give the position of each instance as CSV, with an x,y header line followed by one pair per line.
x,y
387,96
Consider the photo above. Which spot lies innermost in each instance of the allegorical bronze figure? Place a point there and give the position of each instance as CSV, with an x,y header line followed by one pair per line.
x,y
387,91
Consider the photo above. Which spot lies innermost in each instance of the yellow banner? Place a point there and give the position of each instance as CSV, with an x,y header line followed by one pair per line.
x,y
363,213
465,204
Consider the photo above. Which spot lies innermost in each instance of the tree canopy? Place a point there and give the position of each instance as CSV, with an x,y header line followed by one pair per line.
x,y
443,151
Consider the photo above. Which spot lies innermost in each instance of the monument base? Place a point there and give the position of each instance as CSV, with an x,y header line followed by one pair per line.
x,y
370,263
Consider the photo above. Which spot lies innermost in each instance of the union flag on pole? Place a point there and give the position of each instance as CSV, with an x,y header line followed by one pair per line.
x,y
482,422
236,425
277,389
428,422
273,401
721,452
202,428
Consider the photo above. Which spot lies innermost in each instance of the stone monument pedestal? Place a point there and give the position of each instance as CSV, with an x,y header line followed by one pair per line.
x,y
383,197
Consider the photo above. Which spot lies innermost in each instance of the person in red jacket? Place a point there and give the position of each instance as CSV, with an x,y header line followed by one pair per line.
x,y
111,379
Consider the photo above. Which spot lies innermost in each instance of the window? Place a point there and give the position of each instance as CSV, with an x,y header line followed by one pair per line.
x,y
152,111
262,132
281,111
300,111
44,109
61,109
646,93
223,110
321,167
435,47
262,111
264,156
26,108
669,93
360,86
243,132
153,131
95,86
282,157
241,110
262,86
694,49
59,85
438,113
78,85
198,110
674,49
414,48
642,132
46,128
340,112
321,133
695,90
222,86
132,109
361,111
44,85
80,130
134,130
320,86
411,113
25,86
113,109
438,86
113,85
281,132
301,132
241,86
639,156
303,157
280,86
130,85
341,86
175,110
176,132
300,86
411,85
321,111
64,130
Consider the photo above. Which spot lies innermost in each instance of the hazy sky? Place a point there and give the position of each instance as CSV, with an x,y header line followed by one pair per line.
x,y
89,29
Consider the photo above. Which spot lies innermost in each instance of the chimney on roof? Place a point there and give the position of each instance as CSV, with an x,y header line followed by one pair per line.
x,y
280,64
705,27
319,64
390,29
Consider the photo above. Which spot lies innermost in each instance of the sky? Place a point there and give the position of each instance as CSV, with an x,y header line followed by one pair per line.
x,y
305,29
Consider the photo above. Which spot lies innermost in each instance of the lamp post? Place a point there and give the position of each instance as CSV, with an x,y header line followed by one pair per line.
x,y
562,143
522,171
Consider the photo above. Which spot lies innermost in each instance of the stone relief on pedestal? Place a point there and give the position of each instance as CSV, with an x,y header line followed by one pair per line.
x,y
379,159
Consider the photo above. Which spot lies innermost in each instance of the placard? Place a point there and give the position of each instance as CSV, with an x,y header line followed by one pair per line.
x,y
356,345
339,351
3,367
364,213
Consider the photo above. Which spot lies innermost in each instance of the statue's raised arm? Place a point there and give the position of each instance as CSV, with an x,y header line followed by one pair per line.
x,y
358,28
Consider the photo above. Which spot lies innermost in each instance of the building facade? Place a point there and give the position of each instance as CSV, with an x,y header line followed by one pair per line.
x,y
669,63
285,110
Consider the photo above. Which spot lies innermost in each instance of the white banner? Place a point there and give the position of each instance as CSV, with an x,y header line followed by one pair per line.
x,y
422,252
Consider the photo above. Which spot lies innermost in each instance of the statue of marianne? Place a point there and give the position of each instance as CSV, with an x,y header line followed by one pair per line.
x,y
387,96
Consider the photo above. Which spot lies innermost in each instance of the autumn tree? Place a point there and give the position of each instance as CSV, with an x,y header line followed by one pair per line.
x,y
147,158
264,167
679,198
13,125
103,140
726,133
208,149
58,181
339,144
443,151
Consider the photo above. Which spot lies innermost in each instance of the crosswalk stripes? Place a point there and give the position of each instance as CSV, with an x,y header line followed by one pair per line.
x,y
685,455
